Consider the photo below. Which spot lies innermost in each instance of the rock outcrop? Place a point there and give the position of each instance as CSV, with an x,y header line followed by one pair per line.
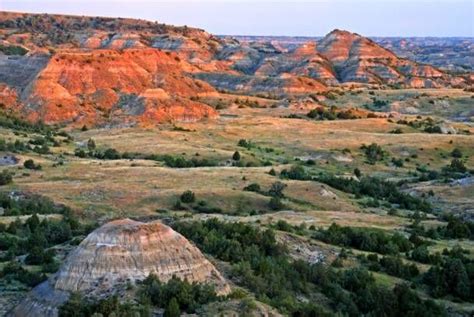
x,y
117,254
359,59
102,71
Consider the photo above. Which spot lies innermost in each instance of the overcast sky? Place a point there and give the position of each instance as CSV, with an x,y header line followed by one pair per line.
x,y
265,17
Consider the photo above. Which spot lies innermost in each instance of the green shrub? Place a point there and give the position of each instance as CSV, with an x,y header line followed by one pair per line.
x,y
371,240
30,164
456,153
275,204
263,265
373,152
296,172
254,187
5,177
276,190
180,295
187,197
357,173
376,188
456,166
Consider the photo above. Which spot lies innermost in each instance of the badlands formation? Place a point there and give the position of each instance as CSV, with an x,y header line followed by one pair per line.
x,y
117,254
103,71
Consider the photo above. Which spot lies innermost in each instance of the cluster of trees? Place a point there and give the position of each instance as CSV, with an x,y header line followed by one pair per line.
x,y
422,255
392,265
296,172
6,177
275,192
455,229
204,207
377,189
181,162
175,296
247,103
433,129
263,266
189,198
31,165
248,144
34,238
377,103
259,262
17,204
321,113
452,272
373,152
113,154
453,277
372,240
78,306
14,270
21,147
16,147
455,169
15,123
106,154
38,144
427,124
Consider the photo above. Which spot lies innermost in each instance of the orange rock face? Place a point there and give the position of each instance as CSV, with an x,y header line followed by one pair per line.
x,y
94,70
362,60
80,86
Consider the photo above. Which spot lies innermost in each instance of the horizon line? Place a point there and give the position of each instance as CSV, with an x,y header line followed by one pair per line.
x,y
236,35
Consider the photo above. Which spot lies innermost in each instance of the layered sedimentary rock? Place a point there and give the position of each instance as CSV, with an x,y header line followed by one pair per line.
x,y
93,86
359,59
98,71
117,254
102,71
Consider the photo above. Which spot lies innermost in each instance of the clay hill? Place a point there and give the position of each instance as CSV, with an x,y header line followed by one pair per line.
x,y
94,70
119,253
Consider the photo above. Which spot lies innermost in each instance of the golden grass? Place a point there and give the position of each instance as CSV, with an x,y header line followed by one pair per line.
x,y
125,188
6,220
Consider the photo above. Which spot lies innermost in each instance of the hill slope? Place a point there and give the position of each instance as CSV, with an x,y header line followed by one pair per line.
x,y
117,254
94,70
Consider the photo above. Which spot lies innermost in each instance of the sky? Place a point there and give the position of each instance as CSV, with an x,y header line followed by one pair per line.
x,y
267,17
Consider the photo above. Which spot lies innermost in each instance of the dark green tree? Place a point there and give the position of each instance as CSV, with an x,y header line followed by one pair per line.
x,y
91,144
172,310
188,197
236,156
5,177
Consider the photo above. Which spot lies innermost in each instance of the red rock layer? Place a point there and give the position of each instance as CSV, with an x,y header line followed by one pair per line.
x,y
83,86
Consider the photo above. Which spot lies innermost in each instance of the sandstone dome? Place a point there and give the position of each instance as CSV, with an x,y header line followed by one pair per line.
x,y
117,254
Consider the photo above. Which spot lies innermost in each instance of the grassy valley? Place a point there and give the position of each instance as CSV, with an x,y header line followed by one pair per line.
x,y
346,196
